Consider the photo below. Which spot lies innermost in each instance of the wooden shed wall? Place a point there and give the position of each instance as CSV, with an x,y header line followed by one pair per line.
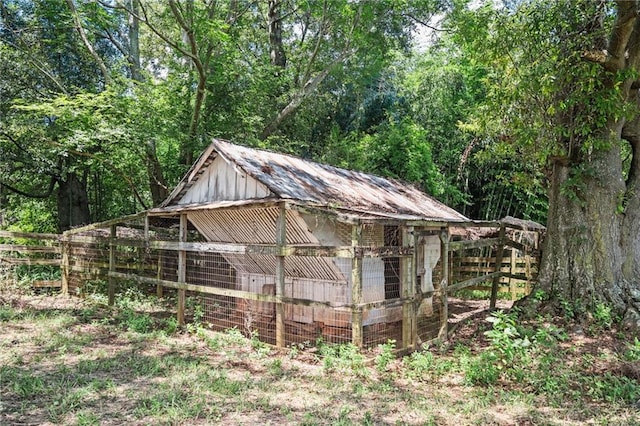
x,y
222,182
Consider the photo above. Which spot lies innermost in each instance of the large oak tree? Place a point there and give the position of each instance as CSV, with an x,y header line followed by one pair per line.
x,y
563,87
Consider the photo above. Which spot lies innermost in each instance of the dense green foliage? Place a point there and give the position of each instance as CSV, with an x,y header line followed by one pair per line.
x,y
104,105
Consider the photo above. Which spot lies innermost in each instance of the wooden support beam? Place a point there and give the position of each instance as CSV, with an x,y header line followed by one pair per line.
x,y
281,241
112,265
408,286
121,221
496,280
30,235
249,295
265,249
444,283
470,244
159,276
23,248
46,284
356,289
473,281
64,268
182,270
519,246
29,261
218,291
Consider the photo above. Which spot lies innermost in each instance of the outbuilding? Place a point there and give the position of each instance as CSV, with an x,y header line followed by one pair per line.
x,y
295,251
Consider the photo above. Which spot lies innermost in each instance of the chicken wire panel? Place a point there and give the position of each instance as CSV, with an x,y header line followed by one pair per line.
x,y
381,276
380,333
428,319
336,294
167,265
372,235
335,326
87,261
210,269
252,318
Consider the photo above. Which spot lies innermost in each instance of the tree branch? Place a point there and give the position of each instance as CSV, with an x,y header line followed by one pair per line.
x,y
144,19
622,29
109,166
427,25
52,183
87,43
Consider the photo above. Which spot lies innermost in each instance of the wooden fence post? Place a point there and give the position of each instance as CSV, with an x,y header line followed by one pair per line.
x,y
408,277
496,279
64,266
159,277
112,265
444,283
281,241
182,269
356,288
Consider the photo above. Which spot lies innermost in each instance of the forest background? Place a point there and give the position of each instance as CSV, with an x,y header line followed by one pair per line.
x,y
104,105
526,108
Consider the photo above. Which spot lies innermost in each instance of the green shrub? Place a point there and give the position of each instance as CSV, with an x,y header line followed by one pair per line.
x,y
506,339
603,316
134,321
633,350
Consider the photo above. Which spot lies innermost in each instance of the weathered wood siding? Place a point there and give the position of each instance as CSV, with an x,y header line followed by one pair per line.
x,y
222,182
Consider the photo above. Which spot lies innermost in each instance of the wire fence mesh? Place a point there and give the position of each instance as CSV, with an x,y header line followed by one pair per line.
x,y
238,270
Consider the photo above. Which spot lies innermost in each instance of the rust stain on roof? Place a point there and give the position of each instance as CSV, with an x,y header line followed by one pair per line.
x,y
293,178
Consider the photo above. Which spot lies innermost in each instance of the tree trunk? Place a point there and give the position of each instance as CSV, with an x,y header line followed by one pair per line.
x,y
73,202
134,41
277,54
157,183
592,248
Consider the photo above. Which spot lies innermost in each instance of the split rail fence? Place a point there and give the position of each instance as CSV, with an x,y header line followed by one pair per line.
x,y
176,259
34,257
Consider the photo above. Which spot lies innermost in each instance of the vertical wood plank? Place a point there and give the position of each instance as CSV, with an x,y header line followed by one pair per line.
x,y
112,266
513,284
356,289
444,283
496,280
408,286
281,241
182,269
159,276
64,265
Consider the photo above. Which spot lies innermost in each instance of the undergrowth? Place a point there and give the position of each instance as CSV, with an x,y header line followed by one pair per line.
x,y
71,366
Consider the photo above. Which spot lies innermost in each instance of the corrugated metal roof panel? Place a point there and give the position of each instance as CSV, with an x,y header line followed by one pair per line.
x,y
297,179
292,178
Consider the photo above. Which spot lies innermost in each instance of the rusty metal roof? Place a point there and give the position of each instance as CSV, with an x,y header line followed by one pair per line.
x,y
292,178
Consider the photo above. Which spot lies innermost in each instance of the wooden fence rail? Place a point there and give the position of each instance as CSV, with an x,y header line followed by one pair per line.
x,y
497,264
31,249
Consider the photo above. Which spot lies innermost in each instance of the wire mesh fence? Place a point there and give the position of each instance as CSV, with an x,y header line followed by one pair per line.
x,y
30,259
284,275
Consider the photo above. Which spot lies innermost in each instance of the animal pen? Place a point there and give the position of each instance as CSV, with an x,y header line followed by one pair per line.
x,y
294,251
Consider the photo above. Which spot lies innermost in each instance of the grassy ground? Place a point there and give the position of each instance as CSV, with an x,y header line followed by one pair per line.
x,y
77,362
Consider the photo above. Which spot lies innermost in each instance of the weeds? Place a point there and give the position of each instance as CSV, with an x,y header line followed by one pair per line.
x,y
344,358
633,350
386,355
603,317
87,371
